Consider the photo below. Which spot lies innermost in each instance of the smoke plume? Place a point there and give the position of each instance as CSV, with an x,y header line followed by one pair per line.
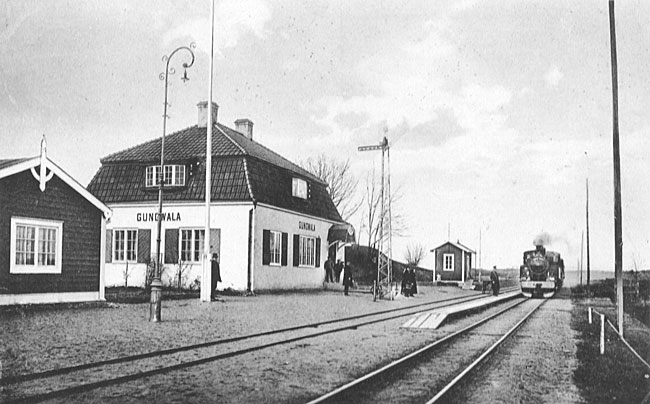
x,y
542,239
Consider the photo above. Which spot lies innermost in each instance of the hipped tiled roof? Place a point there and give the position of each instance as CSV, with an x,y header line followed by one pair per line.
x,y
190,143
242,170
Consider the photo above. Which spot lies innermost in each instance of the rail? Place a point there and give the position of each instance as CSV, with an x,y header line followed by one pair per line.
x,y
339,392
407,311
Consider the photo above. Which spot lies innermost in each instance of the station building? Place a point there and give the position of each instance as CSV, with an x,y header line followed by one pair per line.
x,y
269,218
453,262
51,235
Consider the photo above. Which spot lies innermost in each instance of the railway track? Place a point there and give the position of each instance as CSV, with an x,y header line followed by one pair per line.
x,y
430,373
63,382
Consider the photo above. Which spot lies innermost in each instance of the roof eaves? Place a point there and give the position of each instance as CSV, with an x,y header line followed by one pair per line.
x,y
20,165
248,181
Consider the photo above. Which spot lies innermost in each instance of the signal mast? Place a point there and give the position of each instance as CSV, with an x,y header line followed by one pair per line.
x,y
382,284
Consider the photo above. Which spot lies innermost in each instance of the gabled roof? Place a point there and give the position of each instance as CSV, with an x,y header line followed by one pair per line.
x,y
15,166
189,144
457,244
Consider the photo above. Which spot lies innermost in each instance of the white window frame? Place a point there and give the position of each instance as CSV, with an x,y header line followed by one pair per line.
x,y
174,175
299,188
36,268
275,248
196,246
307,251
114,251
446,267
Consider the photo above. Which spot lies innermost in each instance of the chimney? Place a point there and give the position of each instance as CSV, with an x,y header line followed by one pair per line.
x,y
245,126
203,113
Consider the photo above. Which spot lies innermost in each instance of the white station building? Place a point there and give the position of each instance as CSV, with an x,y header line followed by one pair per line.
x,y
269,218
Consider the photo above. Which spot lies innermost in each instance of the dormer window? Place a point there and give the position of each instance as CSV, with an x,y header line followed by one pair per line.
x,y
174,175
299,188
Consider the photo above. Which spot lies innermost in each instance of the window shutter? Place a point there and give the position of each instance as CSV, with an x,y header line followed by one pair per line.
x,y
317,252
109,245
296,250
285,246
266,247
171,246
215,241
144,245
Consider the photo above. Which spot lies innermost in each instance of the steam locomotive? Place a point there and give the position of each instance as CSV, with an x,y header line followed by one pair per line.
x,y
542,272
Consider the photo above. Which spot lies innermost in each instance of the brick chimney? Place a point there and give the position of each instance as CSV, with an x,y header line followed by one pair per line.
x,y
245,126
203,113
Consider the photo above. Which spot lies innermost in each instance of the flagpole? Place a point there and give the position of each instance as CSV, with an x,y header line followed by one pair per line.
x,y
207,273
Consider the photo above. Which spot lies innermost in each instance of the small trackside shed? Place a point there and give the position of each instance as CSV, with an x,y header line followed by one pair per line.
x,y
453,262
51,244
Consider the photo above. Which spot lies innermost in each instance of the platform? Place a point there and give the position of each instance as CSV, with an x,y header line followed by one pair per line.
x,y
434,318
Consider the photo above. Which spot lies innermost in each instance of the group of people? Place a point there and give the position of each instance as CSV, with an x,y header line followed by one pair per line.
x,y
333,273
409,284
333,270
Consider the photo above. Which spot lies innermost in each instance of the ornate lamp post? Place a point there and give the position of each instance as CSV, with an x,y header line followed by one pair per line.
x,y
156,283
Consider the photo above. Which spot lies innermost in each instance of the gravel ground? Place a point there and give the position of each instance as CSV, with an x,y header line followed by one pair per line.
x,y
297,372
40,340
536,366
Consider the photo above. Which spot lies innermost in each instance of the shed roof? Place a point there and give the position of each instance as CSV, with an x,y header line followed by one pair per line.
x,y
457,244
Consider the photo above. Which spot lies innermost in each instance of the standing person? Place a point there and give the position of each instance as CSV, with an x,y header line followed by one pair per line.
x,y
338,267
414,288
347,277
328,270
494,278
216,275
405,281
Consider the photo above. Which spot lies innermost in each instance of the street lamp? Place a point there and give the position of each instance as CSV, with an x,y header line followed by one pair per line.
x,y
156,283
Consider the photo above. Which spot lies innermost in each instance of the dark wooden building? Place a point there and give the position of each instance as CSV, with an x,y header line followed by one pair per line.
x,y
51,244
453,262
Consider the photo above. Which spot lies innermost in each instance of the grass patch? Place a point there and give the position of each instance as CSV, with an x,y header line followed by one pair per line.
x,y
140,295
617,376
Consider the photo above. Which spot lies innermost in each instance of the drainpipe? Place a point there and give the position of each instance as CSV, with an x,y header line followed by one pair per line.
x,y
251,249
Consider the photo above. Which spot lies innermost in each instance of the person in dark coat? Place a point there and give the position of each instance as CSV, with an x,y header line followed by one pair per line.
x,y
414,288
406,283
215,275
347,278
328,270
494,278
338,268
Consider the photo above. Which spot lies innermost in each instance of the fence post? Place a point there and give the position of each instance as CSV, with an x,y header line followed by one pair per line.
x,y
602,334
590,321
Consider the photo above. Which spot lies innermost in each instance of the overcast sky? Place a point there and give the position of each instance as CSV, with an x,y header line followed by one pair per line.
x,y
497,111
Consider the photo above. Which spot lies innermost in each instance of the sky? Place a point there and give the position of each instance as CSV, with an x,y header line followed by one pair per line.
x,y
497,113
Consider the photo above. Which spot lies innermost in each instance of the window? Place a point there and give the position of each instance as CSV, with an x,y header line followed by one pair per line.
x,y
307,251
174,175
448,262
299,188
192,244
36,246
275,248
125,245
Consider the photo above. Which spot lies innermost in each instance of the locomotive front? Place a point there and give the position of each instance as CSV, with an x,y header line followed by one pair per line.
x,y
540,272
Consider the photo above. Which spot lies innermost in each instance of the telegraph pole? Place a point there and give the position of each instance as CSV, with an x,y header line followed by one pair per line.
x,y
384,252
618,215
588,264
